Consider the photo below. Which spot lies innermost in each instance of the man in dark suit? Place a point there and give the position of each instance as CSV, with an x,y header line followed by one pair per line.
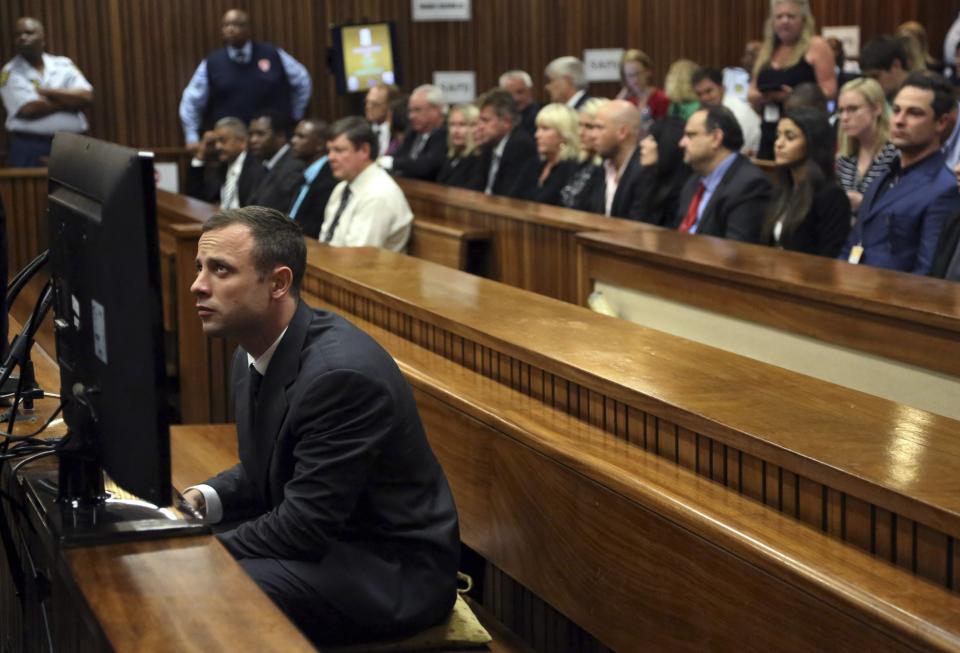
x,y
269,134
424,148
508,162
615,132
567,82
727,195
227,174
346,518
520,86
903,212
309,199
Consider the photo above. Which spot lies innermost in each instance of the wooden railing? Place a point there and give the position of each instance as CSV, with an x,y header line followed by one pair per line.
x,y
664,494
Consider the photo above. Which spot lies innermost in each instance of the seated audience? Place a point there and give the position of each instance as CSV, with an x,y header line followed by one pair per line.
x,y
567,82
269,134
903,211
578,193
916,37
519,84
463,161
679,87
559,150
865,150
662,173
378,110
792,54
809,211
887,60
708,85
636,69
309,145
508,157
424,148
806,95
367,208
617,126
224,174
946,260
728,195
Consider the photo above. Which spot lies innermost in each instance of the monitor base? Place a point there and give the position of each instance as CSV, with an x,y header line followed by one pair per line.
x,y
112,520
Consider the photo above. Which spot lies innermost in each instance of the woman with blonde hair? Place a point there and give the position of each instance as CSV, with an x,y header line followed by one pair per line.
x,y
865,151
679,87
462,161
916,36
577,192
636,68
559,149
792,54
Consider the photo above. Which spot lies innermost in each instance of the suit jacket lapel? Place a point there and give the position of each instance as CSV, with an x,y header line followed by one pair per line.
x,y
708,210
272,404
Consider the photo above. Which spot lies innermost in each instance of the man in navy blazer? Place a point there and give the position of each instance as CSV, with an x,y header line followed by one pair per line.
x,y
903,212
345,517
727,196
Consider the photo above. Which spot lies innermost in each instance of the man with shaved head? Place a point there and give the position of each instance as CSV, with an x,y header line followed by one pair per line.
x,y
43,94
241,79
615,133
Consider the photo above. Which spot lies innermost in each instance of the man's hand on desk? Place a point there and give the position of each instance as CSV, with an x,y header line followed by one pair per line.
x,y
195,499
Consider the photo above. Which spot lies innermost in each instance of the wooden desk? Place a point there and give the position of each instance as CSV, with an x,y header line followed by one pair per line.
x,y
660,493
185,594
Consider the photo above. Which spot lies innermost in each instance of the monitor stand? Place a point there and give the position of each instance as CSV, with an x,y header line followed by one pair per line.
x,y
111,519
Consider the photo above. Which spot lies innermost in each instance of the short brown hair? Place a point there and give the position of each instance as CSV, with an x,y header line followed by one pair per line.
x,y
277,240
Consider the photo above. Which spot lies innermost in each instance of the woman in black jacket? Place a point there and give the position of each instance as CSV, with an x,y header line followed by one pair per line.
x,y
462,160
809,212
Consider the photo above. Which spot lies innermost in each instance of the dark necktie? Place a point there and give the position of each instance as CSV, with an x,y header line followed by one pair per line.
x,y
691,217
336,217
418,146
256,379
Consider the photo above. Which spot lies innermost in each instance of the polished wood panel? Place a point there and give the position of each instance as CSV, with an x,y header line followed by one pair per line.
x,y
532,245
865,308
24,193
461,249
140,54
586,519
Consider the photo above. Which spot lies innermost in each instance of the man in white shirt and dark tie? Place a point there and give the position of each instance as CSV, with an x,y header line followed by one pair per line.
x,y
225,174
424,149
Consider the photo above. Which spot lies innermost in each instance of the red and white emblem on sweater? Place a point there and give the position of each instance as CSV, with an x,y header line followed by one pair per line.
x,y
264,65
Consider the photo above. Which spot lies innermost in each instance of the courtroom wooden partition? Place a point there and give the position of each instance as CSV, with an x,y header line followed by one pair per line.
x,y
140,54
661,494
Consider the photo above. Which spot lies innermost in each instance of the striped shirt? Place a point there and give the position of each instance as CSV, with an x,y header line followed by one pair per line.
x,y
848,176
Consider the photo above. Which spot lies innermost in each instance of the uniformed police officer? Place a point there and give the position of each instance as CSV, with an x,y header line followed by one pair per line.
x,y
42,93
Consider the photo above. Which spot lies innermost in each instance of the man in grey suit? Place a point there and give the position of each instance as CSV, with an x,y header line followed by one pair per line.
x,y
727,195
342,513
269,142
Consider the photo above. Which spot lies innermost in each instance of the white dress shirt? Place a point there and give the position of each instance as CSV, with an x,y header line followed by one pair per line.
x,y
376,214
749,123
230,191
18,86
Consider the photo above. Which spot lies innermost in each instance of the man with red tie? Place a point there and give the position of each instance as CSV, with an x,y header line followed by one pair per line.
x,y
728,195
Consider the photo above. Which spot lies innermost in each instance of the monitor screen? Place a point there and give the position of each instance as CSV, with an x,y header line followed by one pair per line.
x,y
105,272
364,55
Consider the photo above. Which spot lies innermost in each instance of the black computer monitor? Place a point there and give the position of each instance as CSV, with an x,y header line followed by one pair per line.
x,y
105,275
363,55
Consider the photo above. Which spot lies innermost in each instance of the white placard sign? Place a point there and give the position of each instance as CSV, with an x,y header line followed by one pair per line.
x,y
849,35
603,65
167,176
458,86
440,10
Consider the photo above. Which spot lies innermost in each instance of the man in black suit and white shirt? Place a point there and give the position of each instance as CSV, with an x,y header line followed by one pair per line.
x,y
345,517
508,162
520,86
269,134
615,132
728,195
227,174
424,149
567,82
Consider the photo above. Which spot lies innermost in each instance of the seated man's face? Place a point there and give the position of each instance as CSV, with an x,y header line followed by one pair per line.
x,y
229,144
347,161
913,127
491,126
232,296
376,107
264,142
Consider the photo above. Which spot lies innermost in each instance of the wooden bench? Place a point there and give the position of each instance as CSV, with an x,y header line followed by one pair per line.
x,y
659,493
458,248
